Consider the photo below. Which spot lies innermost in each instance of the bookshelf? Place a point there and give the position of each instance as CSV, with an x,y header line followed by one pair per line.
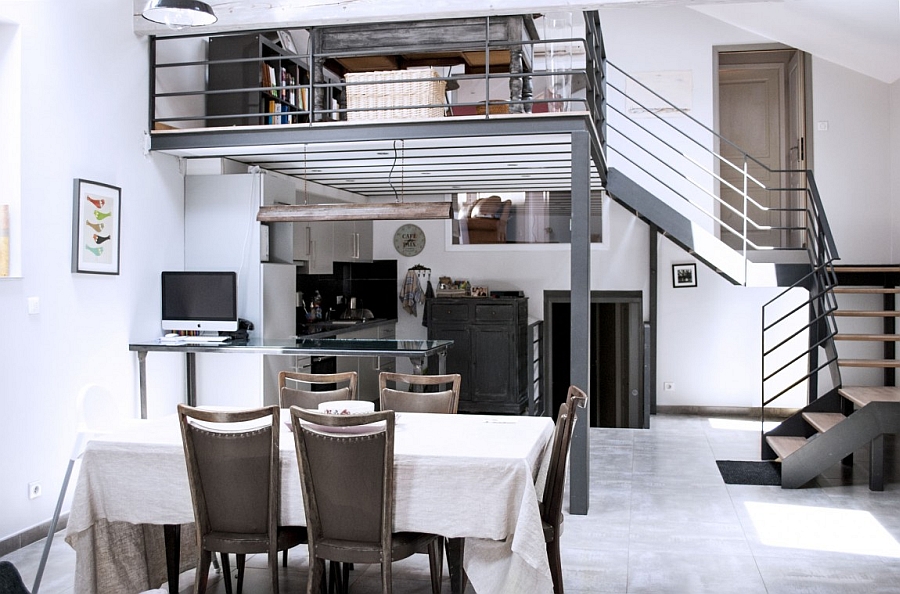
x,y
251,74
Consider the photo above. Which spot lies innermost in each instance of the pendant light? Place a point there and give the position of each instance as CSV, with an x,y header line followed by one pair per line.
x,y
178,14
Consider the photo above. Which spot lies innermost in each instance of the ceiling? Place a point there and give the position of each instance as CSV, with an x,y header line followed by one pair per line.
x,y
412,157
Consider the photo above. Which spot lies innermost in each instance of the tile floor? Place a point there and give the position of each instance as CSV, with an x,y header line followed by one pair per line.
x,y
661,520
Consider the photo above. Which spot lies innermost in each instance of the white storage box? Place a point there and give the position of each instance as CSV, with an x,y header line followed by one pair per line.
x,y
392,99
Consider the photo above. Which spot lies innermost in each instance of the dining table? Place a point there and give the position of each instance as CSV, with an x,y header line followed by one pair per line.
x,y
474,479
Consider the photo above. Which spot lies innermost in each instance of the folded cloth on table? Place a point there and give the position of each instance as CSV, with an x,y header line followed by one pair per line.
x,y
411,292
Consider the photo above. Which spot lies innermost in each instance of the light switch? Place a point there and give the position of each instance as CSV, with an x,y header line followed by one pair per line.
x,y
34,305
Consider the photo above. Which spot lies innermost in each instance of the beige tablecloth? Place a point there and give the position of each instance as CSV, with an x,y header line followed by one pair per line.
x,y
469,476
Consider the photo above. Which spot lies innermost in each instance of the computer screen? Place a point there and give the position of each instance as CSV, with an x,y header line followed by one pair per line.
x,y
199,301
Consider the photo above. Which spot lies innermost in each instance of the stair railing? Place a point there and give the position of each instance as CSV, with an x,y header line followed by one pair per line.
x,y
797,333
689,167
786,365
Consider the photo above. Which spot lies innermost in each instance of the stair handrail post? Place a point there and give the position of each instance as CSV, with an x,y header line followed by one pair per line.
x,y
744,199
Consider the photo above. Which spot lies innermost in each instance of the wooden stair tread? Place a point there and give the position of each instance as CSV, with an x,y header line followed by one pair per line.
x,y
871,337
823,421
863,395
876,363
866,290
785,445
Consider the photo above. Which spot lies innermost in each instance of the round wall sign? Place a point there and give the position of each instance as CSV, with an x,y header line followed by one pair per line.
x,y
409,240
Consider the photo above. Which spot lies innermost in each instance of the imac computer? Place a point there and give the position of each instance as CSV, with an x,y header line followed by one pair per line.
x,y
202,302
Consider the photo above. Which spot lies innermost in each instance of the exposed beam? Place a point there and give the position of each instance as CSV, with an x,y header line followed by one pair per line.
x,y
382,211
237,15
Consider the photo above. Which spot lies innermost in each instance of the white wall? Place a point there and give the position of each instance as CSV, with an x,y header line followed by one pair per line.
x,y
84,111
895,169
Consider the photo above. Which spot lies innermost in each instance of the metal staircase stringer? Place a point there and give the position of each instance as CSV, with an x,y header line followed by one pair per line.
x,y
827,449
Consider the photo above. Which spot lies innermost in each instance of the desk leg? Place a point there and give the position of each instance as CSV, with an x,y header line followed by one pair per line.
x,y
191,378
419,365
172,535
142,381
455,552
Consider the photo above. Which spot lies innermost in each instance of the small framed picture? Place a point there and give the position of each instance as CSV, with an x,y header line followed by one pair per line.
x,y
96,228
480,291
684,275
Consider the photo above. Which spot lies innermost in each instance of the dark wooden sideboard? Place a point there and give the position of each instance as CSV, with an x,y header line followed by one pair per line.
x,y
490,350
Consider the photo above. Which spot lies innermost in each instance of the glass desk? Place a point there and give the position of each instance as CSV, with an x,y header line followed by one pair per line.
x,y
427,356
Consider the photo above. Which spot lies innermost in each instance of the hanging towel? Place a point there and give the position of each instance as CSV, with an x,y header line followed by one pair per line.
x,y
429,294
411,292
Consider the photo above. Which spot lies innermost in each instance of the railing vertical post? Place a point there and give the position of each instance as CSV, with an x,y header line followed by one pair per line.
x,y
745,219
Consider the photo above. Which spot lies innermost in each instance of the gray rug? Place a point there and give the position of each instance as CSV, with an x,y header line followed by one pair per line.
x,y
752,472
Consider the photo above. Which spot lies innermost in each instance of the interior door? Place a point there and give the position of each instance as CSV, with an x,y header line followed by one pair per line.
x,y
751,116
796,142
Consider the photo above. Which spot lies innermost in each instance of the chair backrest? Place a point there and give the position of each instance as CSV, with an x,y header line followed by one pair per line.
x,y
551,503
309,390
233,469
347,479
402,392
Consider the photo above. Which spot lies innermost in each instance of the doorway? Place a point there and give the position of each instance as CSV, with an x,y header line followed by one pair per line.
x,y
762,110
616,362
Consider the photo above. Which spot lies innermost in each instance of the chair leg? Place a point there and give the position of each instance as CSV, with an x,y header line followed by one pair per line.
x,y
555,565
315,582
284,558
387,578
226,572
202,572
436,563
345,576
241,561
273,567
46,552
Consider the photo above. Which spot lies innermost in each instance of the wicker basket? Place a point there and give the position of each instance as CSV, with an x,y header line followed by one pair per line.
x,y
496,107
391,100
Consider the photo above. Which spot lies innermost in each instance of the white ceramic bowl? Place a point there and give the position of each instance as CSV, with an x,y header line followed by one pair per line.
x,y
347,407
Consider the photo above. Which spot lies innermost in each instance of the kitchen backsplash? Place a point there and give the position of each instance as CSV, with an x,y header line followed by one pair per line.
x,y
374,285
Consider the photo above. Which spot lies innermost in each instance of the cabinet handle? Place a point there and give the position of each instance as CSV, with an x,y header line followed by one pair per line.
x,y
356,245
308,241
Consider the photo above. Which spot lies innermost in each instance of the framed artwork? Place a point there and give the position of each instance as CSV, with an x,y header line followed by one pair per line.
x,y
96,228
684,275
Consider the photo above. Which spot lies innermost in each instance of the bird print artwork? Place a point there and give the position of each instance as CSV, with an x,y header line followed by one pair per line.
x,y
98,233
97,202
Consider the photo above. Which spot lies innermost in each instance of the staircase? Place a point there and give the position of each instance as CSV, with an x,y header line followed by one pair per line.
x,y
673,189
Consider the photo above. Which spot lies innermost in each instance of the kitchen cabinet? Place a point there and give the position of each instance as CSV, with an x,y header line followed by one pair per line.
x,y
314,244
353,241
368,368
490,350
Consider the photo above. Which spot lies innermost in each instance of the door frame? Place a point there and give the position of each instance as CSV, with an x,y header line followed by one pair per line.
x,y
807,123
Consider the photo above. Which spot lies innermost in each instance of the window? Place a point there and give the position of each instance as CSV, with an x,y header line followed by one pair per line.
x,y
10,149
519,218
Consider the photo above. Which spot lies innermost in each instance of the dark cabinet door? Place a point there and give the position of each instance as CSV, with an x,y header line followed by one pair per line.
x,y
493,362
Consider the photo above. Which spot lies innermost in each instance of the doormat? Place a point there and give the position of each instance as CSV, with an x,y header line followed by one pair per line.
x,y
752,472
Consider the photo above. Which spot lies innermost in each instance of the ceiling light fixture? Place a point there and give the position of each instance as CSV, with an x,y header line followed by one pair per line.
x,y
178,14
377,211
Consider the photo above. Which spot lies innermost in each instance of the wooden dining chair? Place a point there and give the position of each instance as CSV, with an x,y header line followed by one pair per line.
x,y
551,503
309,390
347,481
403,392
235,480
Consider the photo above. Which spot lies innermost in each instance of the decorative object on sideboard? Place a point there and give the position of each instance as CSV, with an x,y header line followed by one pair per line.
x,y
96,228
178,14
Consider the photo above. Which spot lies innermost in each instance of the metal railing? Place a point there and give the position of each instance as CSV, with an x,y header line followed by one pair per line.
x,y
681,161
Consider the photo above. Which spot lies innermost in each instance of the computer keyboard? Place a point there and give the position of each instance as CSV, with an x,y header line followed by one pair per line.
x,y
194,339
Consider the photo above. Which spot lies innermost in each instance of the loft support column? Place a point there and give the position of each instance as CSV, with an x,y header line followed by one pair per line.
x,y
580,279
654,314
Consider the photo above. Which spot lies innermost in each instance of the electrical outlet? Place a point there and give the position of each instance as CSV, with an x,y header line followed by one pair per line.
x,y
34,490
668,386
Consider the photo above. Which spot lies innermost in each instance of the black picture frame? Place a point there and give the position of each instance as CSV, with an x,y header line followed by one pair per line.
x,y
96,228
684,275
